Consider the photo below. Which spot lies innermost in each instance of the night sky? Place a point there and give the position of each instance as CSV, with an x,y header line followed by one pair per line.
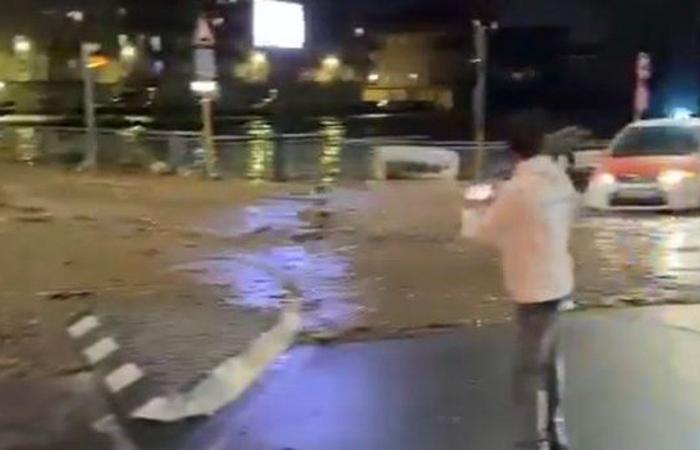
x,y
580,16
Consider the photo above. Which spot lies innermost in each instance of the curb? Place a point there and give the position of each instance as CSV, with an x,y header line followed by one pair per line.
x,y
130,389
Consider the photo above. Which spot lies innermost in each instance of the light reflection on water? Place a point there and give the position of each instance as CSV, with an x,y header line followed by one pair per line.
x,y
263,276
261,149
259,279
254,155
333,132
316,159
654,257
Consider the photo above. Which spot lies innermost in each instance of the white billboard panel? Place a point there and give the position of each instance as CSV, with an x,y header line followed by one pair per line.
x,y
278,24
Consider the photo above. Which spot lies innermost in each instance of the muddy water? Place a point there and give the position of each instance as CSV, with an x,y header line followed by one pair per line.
x,y
386,259
638,259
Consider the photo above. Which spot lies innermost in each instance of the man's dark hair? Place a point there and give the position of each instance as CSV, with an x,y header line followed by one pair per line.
x,y
526,132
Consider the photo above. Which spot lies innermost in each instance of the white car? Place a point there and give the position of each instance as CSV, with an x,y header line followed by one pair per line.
x,y
651,164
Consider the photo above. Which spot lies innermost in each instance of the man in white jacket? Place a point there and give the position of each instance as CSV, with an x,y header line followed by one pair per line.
x,y
529,221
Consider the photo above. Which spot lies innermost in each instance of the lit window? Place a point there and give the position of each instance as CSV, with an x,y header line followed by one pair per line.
x,y
156,43
128,52
76,15
413,76
331,62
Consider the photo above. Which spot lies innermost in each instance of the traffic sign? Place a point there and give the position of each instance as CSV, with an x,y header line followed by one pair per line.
x,y
644,67
203,34
204,64
642,93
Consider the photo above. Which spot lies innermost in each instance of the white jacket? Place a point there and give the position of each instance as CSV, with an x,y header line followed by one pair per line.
x,y
530,224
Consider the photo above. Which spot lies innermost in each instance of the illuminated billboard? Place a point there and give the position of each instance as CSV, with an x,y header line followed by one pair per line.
x,y
278,24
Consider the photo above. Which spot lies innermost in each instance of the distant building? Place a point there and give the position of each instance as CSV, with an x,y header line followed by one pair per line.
x,y
421,66
40,39
147,48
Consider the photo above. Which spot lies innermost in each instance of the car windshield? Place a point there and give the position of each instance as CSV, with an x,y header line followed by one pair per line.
x,y
656,141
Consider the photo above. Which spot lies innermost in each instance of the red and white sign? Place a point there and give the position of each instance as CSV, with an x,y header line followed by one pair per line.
x,y
642,95
203,34
643,66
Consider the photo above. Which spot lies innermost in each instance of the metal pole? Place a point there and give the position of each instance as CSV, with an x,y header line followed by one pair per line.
x,y
212,159
479,94
91,150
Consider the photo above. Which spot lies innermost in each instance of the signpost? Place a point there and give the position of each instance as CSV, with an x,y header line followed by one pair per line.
x,y
205,87
87,50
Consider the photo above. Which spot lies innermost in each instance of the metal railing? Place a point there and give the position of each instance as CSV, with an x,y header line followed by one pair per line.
x,y
265,155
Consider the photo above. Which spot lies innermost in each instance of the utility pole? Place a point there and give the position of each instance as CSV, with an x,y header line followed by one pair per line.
x,y
91,150
481,47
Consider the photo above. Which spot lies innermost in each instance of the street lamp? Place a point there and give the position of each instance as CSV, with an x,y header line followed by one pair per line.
x,y
373,77
331,62
258,58
76,15
128,52
22,45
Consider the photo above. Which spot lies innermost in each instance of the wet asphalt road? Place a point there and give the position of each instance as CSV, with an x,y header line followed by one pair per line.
x,y
633,382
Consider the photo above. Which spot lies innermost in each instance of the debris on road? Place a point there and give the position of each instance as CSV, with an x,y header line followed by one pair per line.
x,y
35,218
8,363
311,305
306,236
318,218
70,370
261,229
30,209
325,337
149,252
84,218
66,295
161,168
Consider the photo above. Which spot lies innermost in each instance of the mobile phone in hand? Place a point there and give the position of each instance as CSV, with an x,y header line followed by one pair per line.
x,y
479,193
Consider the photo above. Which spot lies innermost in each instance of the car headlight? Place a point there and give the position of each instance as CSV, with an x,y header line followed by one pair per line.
x,y
672,177
604,178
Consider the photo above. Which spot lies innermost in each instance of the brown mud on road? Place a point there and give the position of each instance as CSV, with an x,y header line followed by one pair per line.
x,y
71,242
411,273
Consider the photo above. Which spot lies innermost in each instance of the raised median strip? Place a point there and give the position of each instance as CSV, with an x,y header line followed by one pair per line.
x,y
135,395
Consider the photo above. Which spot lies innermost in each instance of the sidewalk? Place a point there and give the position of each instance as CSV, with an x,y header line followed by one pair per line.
x,y
632,384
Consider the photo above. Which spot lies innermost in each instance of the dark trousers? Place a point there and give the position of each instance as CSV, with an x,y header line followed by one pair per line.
x,y
538,370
